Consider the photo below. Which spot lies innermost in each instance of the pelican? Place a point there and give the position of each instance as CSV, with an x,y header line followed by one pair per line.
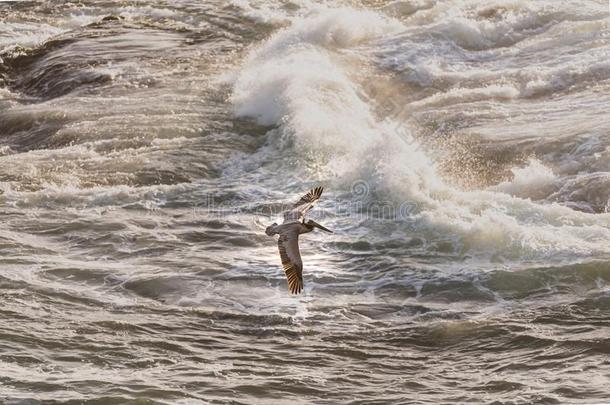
x,y
288,244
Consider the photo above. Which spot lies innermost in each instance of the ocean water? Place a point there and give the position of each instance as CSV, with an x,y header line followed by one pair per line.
x,y
464,147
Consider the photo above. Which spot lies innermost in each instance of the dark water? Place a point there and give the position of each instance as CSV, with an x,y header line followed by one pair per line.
x,y
464,148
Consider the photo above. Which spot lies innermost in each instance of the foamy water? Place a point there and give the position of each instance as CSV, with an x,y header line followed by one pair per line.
x,y
463,147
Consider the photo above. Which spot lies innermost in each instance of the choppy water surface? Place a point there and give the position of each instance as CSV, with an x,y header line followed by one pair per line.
x,y
465,150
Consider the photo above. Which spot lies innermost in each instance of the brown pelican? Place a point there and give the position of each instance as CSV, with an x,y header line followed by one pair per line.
x,y
294,224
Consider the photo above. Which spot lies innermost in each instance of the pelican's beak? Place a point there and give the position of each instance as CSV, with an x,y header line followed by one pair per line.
x,y
317,225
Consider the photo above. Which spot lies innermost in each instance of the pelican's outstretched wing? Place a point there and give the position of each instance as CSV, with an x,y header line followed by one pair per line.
x,y
288,246
303,205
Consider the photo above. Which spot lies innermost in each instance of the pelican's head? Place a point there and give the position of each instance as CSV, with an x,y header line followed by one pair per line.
x,y
314,224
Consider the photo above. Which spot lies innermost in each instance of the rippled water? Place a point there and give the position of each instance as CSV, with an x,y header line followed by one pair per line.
x,y
464,147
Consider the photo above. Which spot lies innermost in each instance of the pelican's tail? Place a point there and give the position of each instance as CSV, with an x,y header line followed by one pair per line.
x,y
271,230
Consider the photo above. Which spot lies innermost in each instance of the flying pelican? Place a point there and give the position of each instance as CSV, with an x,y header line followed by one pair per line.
x,y
288,244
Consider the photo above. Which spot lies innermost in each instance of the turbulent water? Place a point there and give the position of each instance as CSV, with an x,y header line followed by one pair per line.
x,y
464,147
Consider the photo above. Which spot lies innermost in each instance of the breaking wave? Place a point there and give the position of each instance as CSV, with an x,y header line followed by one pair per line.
x,y
305,81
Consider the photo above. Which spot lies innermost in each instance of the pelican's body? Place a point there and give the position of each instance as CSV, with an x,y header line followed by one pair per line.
x,y
288,229
288,243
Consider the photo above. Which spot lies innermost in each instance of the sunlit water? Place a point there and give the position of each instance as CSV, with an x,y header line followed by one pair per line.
x,y
464,147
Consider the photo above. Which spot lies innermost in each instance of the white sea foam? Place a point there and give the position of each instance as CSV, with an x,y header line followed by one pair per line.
x,y
293,79
148,11
468,95
483,25
271,12
25,35
526,45
534,181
